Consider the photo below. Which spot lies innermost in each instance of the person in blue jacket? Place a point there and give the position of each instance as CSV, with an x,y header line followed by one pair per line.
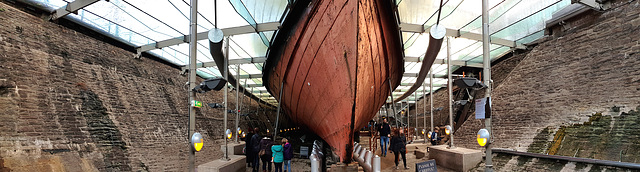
x,y
277,156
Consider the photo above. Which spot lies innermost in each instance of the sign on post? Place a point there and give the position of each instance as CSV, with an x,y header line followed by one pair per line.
x,y
427,166
483,109
196,104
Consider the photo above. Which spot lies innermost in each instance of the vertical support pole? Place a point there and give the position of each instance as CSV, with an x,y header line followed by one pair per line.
x,y
226,94
275,130
431,96
257,110
486,68
241,107
424,113
237,111
244,89
415,107
192,80
393,104
450,86
408,114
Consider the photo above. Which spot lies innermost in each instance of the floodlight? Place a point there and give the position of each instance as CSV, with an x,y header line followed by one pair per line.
x,y
197,141
214,105
448,130
216,83
483,137
229,134
468,82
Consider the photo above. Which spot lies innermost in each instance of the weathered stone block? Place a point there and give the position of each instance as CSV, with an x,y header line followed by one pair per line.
x,y
458,159
235,163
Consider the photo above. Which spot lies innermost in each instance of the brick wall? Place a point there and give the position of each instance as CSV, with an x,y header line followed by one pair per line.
x,y
71,102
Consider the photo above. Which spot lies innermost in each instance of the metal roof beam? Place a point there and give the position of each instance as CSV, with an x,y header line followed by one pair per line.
x,y
411,84
419,90
444,61
407,27
442,76
261,27
253,85
260,91
71,7
251,76
231,62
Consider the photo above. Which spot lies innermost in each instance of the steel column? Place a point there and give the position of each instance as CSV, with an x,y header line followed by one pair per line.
x,y
237,111
192,82
275,130
450,86
226,92
424,112
393,106
415,107
487,79
431,97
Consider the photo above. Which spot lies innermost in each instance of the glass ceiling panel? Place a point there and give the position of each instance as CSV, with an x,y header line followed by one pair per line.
x,y
112,28
530,24
264,11
417,45
142,22
247,46
495,12
412,67
133,19
416,11
249,69
531,38
494,53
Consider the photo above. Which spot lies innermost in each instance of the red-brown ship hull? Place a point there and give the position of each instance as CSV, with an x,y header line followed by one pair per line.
x,y
336,60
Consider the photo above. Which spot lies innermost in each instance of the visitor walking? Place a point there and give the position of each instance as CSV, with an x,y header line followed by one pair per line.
x,y
399,147
248,149
255,149
385,131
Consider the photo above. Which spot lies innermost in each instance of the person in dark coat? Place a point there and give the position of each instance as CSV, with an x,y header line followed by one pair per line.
x,y
385,131
399,147
255,149
288,154
248,149
265,145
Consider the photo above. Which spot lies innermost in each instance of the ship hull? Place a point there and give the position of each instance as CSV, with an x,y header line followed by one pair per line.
x,y
336,62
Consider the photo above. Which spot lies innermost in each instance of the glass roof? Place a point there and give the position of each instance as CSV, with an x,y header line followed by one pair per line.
x,y
145,22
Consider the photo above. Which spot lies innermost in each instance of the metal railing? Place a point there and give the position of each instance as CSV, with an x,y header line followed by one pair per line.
x,y
367,159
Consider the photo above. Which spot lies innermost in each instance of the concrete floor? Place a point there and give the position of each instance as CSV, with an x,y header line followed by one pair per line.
x,y
304,165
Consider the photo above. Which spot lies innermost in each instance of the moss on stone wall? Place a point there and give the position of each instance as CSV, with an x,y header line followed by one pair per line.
x,y
557,141
606,137
540,143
